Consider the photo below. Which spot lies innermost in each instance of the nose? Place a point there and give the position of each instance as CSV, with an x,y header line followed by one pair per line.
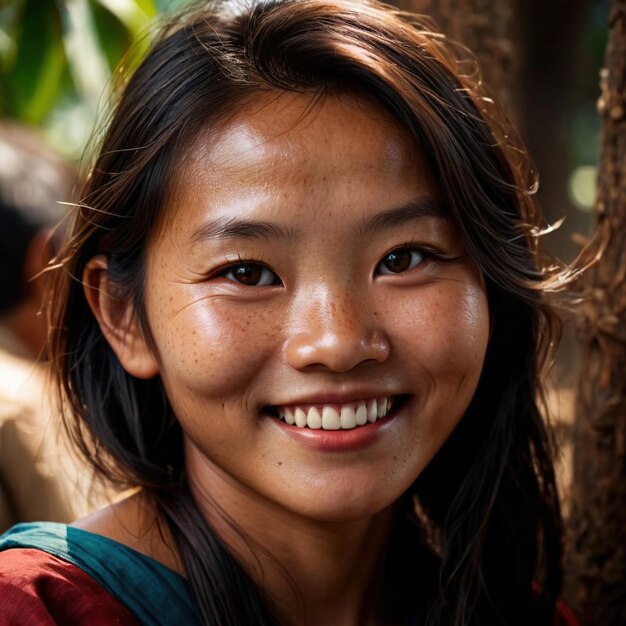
x,y
336,332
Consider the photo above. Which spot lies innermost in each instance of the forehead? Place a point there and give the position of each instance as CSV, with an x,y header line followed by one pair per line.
x,y
277,128
306,150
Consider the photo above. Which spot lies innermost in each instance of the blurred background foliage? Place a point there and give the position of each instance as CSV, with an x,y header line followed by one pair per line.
x,y
57,57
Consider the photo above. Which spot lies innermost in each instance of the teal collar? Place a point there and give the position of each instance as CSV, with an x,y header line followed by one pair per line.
x,y
155,594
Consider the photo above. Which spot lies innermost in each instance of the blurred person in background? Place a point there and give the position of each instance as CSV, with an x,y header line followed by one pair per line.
x,y
38,479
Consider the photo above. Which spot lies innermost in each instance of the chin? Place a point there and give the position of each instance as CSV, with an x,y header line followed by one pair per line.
x,y
345,507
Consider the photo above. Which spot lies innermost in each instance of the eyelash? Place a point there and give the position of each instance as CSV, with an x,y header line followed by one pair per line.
x,y
249,264
427,254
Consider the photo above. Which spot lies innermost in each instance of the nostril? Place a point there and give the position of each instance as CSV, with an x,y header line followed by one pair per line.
x,y
337,351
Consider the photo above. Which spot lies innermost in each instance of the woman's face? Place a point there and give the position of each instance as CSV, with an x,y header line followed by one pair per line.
x,y
319,327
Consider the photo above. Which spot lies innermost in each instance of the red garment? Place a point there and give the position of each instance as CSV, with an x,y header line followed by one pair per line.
x,y
565,617
38,589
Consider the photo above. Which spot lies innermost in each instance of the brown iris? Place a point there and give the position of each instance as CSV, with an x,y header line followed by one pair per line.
x,y
248,274
252,275
398,260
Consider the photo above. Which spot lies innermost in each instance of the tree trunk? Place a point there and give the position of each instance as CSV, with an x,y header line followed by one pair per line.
x,y
597,558
484,26
549,91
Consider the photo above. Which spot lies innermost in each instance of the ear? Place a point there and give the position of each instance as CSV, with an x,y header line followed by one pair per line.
x,y
118,320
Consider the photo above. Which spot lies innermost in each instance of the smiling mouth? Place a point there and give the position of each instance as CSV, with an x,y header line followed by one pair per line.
x,y
337,416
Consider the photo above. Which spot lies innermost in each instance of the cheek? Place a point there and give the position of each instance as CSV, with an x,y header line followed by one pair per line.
x,y
445,334
446,331
207,348
462,330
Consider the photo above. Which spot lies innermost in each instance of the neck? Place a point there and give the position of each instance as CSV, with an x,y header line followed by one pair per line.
x,y
314,572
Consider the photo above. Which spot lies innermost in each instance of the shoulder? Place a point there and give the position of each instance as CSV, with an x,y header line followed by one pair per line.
x,y
54,567
133,522
41,589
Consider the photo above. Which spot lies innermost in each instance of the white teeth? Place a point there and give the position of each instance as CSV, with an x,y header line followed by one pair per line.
x,y
372,411
330,419
337,417
361,414
348,417
289,416
314,419
300,417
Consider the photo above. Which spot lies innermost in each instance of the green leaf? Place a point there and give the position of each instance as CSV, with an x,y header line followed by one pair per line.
x,y
170,5
85,56
134,14
10,14
113,35
33,81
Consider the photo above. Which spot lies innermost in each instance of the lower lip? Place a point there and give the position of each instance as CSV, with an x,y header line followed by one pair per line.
x,y
338,440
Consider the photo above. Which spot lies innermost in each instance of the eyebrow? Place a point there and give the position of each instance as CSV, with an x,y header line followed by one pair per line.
x,y
233,228
417,209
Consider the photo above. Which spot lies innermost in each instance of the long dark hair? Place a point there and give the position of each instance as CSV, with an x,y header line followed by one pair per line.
x,y
478,538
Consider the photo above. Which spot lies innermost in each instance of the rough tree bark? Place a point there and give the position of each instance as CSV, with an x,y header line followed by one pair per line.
x,y
597,561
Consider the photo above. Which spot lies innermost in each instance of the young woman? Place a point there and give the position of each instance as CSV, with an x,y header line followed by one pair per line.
x,y
302,311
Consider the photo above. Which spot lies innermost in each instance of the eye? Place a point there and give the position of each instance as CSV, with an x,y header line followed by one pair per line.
x,y
251,275
400,260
